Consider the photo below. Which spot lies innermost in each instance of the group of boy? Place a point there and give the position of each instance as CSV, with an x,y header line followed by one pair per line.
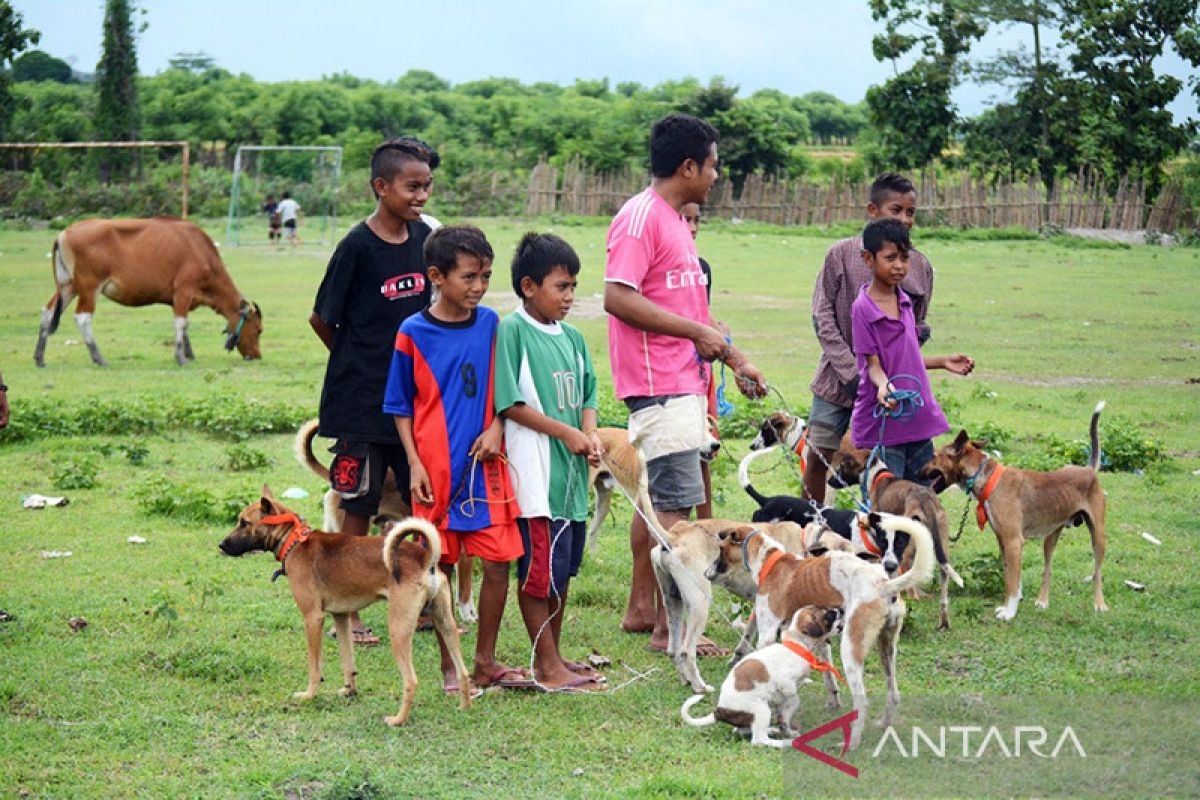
x,y
489,425
869,311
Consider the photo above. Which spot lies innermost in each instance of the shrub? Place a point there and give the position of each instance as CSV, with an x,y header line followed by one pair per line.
x,y
243,458
78,472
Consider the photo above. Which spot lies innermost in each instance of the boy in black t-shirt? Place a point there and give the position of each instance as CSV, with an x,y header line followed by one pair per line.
x,y
374,281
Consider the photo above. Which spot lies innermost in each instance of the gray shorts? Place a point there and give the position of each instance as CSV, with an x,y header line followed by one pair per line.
x,y
827,424
670,432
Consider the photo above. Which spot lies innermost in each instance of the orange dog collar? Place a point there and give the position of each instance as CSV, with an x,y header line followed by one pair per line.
x,y
814,662
769,565
981,515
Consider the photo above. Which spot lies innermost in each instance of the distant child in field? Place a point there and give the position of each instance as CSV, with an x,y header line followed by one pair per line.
x,y
440,393
889,359
274,218
289,213
691,215
375,280
835,384
546,392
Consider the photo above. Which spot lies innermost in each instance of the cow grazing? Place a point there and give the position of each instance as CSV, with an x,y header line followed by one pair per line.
x,y
137,262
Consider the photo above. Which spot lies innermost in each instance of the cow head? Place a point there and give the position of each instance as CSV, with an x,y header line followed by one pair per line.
x,y
244,336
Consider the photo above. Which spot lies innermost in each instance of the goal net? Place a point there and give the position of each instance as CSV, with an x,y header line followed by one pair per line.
x,y
261,175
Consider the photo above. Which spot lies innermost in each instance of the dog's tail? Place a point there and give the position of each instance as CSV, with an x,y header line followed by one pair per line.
x,y
302,447
1094,430
696,722
744,473
643,502
423,533
923,560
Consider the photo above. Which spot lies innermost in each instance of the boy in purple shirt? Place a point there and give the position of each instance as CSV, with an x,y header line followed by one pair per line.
x,y
889,359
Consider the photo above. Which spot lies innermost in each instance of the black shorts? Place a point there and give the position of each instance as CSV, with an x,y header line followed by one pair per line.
x,y
358,471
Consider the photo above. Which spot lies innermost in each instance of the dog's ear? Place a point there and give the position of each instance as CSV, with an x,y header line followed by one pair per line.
x,y
979,444
960,441
810,624
873,520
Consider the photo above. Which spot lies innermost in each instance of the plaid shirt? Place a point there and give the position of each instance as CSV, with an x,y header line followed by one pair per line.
x,y
837,286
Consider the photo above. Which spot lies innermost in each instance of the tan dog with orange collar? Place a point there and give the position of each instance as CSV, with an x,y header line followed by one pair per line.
x,y
873,609
337,574
1023,505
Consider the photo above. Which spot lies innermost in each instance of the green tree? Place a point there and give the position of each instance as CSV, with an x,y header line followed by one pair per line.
x,y
912,113
36,65
1124,120
117,114
13,39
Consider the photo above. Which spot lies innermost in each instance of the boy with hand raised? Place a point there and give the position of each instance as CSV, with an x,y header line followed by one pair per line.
x,y
835,384
546,392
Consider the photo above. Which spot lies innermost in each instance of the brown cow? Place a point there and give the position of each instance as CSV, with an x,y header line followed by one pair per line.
x,y
136,262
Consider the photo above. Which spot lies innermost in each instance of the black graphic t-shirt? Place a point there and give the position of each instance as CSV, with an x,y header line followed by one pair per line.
x,y
369,288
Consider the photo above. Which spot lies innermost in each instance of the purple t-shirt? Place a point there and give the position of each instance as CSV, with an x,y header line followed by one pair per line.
x,y
895,342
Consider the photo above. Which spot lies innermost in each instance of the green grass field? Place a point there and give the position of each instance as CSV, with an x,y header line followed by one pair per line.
x,y
181,683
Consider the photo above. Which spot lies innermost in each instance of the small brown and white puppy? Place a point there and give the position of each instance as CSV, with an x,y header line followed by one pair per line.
x,y
890,495
336,574
1023,505
763,684
870,600
687,592
623,464
392,507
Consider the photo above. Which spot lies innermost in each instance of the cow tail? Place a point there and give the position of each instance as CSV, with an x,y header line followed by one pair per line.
x,y
55,257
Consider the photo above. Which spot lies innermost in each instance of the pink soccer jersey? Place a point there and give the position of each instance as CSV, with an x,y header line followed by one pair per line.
x,y
651,250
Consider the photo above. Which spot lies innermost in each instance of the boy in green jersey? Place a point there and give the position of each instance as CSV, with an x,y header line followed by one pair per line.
x,y
546,391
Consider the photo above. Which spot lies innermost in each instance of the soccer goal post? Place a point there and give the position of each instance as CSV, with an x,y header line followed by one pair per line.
x,y
309,173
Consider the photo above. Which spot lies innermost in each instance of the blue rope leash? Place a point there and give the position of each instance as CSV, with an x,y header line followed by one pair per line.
x,y
724,407
908,401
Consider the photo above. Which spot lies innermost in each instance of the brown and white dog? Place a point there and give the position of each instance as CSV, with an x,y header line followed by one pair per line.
x,y
336,574
765,681
786,430
687,592
392,507
890,495
623,464
874,611
1023,505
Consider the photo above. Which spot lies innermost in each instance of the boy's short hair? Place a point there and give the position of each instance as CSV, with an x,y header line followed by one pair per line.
x,y
443,246
677,137
880,231
537,255
390,157
889,183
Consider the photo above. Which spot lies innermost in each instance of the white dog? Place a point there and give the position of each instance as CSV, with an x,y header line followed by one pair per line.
x,y
765,681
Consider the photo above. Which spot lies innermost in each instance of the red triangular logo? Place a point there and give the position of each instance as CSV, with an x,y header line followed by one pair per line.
x,y
843,724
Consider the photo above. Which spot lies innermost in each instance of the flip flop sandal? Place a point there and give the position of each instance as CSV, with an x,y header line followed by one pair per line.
x,y
586,671
511,678
578,685
360,636
452,690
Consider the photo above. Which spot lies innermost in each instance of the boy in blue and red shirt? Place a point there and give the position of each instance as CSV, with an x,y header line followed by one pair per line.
x,y
890,361
439,390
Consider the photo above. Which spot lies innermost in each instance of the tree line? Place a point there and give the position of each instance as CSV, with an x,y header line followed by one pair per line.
x,y
1092,98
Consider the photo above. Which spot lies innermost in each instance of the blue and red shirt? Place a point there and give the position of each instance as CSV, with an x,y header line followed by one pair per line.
x,y
441,377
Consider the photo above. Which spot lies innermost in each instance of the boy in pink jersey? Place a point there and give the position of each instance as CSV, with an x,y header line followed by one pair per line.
x,y
661,340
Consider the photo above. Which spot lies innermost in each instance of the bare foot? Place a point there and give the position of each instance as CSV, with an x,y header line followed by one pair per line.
x,y
637,623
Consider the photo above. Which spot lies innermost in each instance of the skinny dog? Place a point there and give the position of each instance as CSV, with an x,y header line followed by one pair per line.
x,y
687,590
871,602
623,464
765,681
890,495
392,507
336,574
1023,505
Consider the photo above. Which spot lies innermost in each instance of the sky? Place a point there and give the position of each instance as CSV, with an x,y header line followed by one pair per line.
x,y
795,46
